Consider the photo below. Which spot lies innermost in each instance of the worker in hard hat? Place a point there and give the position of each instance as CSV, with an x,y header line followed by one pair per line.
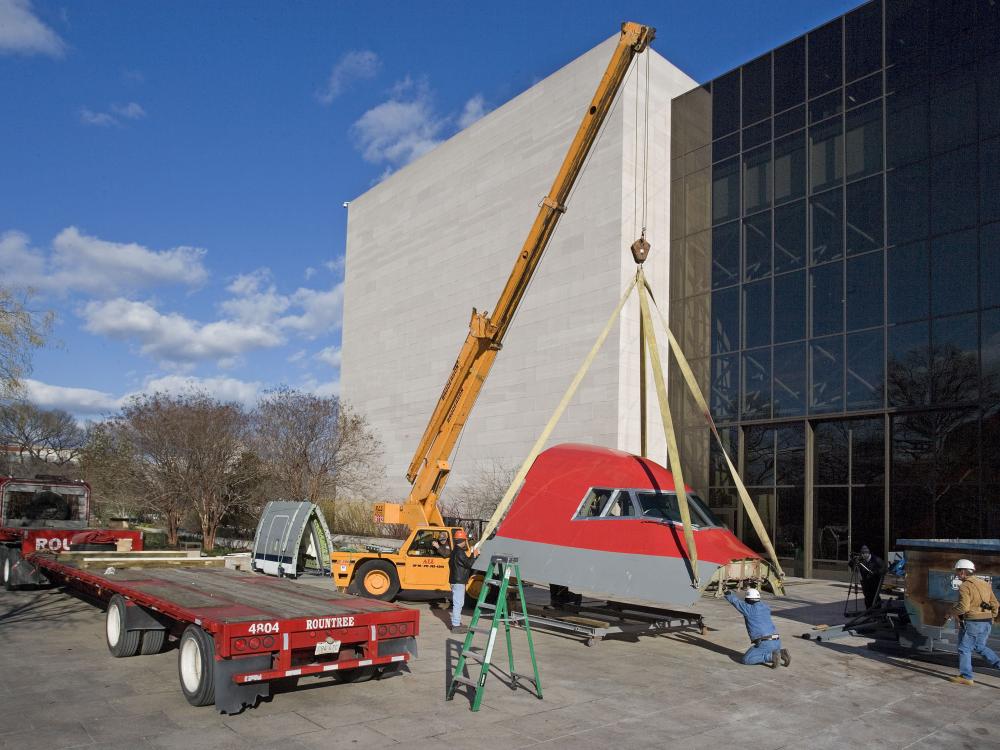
x,y
765,645
459,571
870,570
975,609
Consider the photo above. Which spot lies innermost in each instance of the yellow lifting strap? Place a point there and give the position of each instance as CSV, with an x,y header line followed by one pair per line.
x,y
668,427
699,398
522,472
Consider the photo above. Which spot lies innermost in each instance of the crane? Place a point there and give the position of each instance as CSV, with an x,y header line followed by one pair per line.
x,y
429,468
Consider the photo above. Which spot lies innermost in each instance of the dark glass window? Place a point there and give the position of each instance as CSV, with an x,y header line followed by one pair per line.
x,y
989,180
725,387
725,255
725,320
953,273
826,154
863,40
757,179
790,237
832,441
909,283
907,359
719,474
991,376
726,147
790,523
863,141
955,359
790,75
989,96
864,370
951,17
831,508
906,128
987,26
826,213
825,106
827,365
863,91
864,291
757,383
905,29
953,190
791,454
757,314
725,191
868,519
827,282
867,438
788,121
790,168
934,449
989,265
789,395
907,203
789,307
953,118
757,89
911,73
758,456
757,246
726,104
864,215
756,134
825,58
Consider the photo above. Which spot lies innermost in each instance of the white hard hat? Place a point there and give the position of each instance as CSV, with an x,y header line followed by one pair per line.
x,y
964,564
753,595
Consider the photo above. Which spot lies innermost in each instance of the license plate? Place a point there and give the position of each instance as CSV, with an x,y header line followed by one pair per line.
x,y
327,648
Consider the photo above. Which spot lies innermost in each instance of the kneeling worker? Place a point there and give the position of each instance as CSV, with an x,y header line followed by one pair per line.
x,y
976,609
766,643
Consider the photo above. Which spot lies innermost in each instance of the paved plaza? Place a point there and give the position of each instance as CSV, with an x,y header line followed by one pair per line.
x,y
63,690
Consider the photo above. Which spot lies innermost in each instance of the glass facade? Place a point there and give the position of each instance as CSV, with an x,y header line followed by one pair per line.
x,y
835,280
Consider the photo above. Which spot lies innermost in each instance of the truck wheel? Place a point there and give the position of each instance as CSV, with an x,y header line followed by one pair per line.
x,y
152,642
377,579
196,666
121,642
10,558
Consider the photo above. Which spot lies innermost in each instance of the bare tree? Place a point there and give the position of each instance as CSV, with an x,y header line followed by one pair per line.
x,y
188,454
21,330
43,438
479,495
316,448
109,464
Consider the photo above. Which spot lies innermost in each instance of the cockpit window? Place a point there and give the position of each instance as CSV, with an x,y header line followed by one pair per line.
x,y
664,505
594,502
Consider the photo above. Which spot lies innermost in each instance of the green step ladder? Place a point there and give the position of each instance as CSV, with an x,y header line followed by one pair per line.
x,y
498,578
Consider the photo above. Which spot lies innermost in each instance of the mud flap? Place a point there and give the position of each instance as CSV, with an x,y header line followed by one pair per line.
x,y
395,646
230,698
140,618
23,573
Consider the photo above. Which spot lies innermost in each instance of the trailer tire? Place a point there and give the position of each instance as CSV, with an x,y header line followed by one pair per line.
x,y
5,568
196,666
10,559
121,641
377,579
152,642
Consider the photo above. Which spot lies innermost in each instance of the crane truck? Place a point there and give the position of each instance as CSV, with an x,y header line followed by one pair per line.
x,y
418,565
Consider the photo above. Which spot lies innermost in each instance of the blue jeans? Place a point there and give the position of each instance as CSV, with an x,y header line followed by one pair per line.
x,y
761,653
972,636
457,602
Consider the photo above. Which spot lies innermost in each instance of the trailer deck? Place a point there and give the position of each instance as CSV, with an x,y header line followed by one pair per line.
x,y
258,628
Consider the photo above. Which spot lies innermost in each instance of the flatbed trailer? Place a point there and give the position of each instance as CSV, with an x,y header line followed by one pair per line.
x,y
238,631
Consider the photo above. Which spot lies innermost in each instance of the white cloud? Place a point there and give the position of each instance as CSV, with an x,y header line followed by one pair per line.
x,y
309,272
100,119
356,65
401,129
322,311
80,262
473,110
173,338
330,355
222,388
77,401
336,265
22,32
131,111
297,356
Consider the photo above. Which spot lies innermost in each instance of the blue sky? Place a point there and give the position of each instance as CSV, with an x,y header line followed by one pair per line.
x,y
172,174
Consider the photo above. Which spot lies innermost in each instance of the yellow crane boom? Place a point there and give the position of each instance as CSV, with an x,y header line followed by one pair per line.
x,y
429,468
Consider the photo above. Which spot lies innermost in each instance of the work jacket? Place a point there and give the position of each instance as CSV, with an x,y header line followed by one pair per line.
x,y
459,566
756,616
976,600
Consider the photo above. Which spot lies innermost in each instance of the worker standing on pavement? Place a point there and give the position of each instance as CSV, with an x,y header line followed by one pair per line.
x,y
766,643
459,571
976,609
870,570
